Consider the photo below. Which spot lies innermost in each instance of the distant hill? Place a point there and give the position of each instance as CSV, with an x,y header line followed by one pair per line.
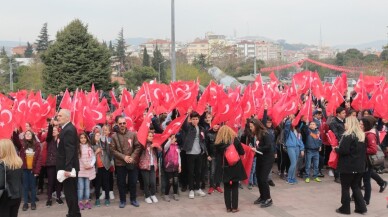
x,y
136,41
378,45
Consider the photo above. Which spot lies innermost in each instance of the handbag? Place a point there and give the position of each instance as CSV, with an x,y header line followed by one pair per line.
x,y
378,158
5,181
231,155
129,166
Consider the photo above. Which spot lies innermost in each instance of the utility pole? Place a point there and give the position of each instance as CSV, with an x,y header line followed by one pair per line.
x,y
173,58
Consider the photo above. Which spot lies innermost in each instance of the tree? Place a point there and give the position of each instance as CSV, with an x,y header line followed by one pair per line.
x,y
111,48
157,61
121,47
30,77
3,53
187,72
146,57
350,57
200,62
371,58
29,51
384,55
43,40
135,77
76,60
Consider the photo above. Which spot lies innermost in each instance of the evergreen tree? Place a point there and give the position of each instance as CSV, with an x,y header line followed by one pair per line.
x,y
136,76
120,47
75,60
111,49
29,51
43,40
146,57
104,44
3,53
159,60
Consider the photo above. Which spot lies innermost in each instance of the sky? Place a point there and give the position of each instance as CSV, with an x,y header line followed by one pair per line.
x,y
296,21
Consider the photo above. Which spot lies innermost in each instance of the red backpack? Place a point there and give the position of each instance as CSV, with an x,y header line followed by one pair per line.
x,y
171,158
231,155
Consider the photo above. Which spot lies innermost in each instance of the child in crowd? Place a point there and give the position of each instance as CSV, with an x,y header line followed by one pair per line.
x,y
148,164
312,147
87,171
172,167
103,163
107,138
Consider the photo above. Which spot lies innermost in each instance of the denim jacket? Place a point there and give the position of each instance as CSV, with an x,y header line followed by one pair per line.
x,y
292,140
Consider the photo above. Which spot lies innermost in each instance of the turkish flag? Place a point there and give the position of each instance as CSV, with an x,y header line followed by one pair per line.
x,y
287,105
6,123
5,102
247,104
66,101
235,121
247,160
113,99
361,101
172,128
186,101
334,101
203,101
126,98
225,109
306,111
142,133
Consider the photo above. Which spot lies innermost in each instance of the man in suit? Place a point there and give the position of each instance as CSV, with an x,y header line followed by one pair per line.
x,y
67,159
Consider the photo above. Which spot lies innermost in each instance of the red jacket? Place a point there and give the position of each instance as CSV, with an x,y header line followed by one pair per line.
x,y
371,142
37,162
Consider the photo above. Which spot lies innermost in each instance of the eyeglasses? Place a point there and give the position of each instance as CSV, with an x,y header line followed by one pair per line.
x,y
123,123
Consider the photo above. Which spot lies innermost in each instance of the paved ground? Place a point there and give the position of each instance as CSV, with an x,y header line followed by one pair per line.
x,y
301,200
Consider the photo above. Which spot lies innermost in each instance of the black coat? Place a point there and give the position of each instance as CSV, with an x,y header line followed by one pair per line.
x,y
338,127
190,131
352,155
51,148
210,138
14,182
266,146
67,155
231,173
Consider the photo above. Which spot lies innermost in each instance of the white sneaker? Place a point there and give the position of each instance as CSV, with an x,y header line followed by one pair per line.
x,y
154,199
102,196
331,173
148,200
111,195
200,193
191,194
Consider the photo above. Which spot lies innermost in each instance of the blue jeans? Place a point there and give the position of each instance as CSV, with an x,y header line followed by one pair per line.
x,y
293,154
252,176
314,156
83,188
29,184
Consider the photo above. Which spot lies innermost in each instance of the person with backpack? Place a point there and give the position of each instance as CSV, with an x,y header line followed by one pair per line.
x,y
232,169
172,167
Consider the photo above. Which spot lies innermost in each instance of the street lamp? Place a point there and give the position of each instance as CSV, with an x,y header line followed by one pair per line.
x,y
10,73
159,68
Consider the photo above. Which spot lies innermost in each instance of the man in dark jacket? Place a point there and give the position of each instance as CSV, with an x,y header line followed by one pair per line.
x,y
67,159
194,145
215,163
337,126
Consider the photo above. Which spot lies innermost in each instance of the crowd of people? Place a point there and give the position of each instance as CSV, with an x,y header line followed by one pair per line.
x,y
196,158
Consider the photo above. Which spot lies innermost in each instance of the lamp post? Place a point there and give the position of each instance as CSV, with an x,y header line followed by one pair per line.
x,y
173,57
159,68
